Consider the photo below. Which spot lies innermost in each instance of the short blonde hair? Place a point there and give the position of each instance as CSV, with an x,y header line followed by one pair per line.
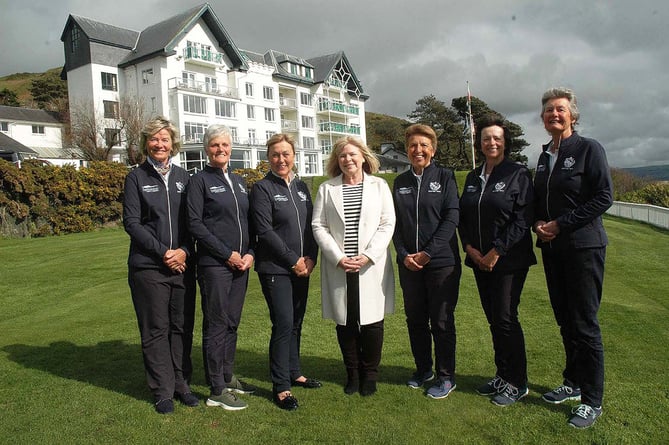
x,y
154,126
421,130
280,137
370,166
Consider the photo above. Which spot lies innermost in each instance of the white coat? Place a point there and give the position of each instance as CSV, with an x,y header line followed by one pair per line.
x,y
377,223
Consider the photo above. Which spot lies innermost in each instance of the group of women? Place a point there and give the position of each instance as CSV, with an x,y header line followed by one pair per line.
x,y
169,216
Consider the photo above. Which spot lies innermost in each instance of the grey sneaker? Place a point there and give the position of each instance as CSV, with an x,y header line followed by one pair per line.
x,y
584,416
419,378
226,400
239,386
509,395
562,393
493,387
441,390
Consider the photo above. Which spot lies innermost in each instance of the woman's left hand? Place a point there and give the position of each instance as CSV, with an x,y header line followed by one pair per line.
x,y
487,263
175,259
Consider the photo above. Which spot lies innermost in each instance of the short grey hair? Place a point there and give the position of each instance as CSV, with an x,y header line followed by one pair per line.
x,y
215,131
562,93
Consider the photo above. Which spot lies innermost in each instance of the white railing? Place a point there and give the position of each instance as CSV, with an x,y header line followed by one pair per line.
x,y
650,214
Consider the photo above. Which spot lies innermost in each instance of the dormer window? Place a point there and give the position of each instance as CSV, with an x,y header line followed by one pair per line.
x,y
75,35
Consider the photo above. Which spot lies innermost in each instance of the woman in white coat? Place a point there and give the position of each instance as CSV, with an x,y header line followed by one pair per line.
x,y
353,223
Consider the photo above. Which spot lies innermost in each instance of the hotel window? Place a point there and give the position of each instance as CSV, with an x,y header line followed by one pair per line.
x,y
252,136
153,104
210,84
308,73
112,136
268,93
308,142
307,122
109,82
188,79
234,136
239,158
305,99
269,134
294,69
110,109
270,115
310,161
193,132
225,108
250,112
75,36
249,89
195,104
38,129
4,126
147,76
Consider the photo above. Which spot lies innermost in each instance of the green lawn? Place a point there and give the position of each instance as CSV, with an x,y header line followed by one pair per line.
x,y
71,367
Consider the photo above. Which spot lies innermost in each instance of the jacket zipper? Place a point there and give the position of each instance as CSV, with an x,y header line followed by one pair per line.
x,y
299,225
239,221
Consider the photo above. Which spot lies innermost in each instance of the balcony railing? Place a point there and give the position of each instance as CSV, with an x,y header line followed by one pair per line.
x,y
337,107
286,102
195,53
337,127
288,125
203,87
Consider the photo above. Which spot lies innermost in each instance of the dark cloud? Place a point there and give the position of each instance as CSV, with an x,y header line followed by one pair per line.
x,y
613,54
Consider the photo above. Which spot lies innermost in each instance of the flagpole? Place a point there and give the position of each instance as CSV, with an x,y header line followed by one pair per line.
x,y
471,125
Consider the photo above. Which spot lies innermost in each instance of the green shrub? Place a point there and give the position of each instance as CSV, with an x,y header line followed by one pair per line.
x,y
656,194
38,200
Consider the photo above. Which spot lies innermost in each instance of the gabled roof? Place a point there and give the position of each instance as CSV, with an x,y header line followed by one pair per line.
x,y
276,58
337,62
163,37
9,145
102,33
28,115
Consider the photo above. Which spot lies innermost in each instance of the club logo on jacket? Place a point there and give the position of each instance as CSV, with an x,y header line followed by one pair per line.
x,y
569,163
280,198
540,168
404,190
217,189
302,195
242,188
471,189
150,188
180,187
435,187
499,187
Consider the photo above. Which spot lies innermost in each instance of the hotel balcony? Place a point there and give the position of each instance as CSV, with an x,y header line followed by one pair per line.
x,y
287,103
338,127
288,125
202,56
202,87
331,106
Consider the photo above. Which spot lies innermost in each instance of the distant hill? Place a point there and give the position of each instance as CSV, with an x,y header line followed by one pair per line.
x,y
20,83
654,172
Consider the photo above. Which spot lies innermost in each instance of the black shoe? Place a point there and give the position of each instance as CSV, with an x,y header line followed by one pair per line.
x,y
368,388
165,406
352,386
289,403
308,383
188,399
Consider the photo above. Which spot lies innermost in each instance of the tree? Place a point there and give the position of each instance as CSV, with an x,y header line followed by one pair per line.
x,y
9,98
97,133
48,89
382,128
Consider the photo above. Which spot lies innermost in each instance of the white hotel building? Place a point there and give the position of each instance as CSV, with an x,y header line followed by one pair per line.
x,y
188,69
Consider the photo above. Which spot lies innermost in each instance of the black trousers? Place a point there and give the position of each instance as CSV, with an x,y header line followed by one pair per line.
x,y
360,346
575,278
430,296
500,297
223,291
165,307
286,297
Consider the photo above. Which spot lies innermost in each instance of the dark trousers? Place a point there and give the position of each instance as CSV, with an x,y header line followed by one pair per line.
x,y
164,306
223,291
286,297
575,278
430,297
500,297
360,346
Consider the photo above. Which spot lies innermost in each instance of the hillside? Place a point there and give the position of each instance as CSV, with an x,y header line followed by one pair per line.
x,y
20,83
654,172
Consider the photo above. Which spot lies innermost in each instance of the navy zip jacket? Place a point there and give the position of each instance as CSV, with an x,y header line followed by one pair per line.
x,y
281,217
218,216
155,216
499,215
427,217
575,193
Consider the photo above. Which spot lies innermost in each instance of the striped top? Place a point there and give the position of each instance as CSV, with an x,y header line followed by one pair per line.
x,y
352,195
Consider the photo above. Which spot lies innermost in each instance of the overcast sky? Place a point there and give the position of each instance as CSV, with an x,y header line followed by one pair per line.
x,y
614,54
